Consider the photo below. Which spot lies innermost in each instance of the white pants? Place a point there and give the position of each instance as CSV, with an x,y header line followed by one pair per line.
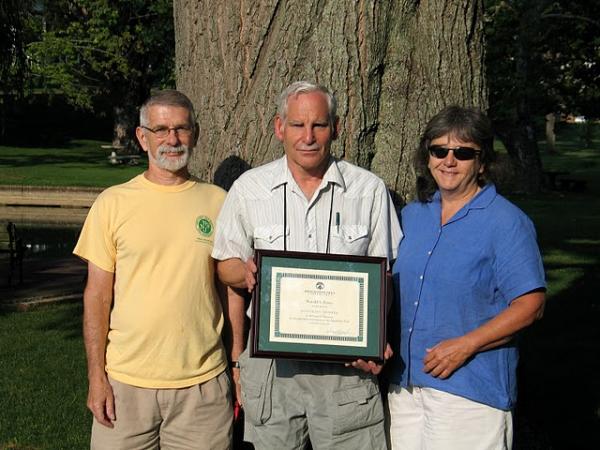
x,y
428,419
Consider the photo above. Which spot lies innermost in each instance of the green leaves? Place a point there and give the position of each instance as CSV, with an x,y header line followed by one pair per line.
x,y
94,49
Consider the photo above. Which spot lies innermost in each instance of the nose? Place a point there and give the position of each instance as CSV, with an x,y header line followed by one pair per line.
x,y
450,160
309,135
172,138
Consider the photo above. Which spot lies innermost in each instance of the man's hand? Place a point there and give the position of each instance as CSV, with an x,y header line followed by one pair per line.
x,y
101,401
447,356
237,392
371,366
250,274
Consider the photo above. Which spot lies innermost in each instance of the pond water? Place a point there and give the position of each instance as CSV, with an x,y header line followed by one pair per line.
x,y
48,241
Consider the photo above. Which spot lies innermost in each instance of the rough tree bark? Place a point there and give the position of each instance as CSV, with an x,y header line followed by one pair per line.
x,y
392,64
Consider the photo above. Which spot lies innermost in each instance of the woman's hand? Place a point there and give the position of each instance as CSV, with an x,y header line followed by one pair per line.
x,y
447,356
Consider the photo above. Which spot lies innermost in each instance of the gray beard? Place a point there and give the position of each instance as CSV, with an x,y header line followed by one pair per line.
x,y
168,163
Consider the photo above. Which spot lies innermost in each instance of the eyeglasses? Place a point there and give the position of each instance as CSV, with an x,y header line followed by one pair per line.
x,y
460,153
163,132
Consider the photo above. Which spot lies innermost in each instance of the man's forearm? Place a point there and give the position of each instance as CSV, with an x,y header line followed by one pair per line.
x,y
236,316
95,330
97,302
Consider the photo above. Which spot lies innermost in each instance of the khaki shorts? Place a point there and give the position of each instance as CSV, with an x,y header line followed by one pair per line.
x,y
196,417
288,403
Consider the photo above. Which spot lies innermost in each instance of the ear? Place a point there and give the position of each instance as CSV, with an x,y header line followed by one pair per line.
x,y
141,137
279,125
196,133
336,129
481,169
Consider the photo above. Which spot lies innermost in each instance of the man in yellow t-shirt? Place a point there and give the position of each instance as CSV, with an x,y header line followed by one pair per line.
x,y
152,314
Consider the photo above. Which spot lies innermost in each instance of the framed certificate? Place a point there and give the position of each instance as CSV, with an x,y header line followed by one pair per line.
x,y
320,307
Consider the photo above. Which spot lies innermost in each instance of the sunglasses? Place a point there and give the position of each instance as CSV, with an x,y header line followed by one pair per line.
x,y
460,153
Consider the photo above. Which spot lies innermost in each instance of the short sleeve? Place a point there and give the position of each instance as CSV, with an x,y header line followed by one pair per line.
x,y
385,230
233,239
518,265
96,243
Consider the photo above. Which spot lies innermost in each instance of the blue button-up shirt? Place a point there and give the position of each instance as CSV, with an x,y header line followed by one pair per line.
x,y
456,277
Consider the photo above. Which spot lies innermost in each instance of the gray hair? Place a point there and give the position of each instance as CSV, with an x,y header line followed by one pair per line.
x,y
167,97
305,87
467,125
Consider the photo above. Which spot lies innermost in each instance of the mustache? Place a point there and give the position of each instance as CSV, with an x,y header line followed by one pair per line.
x,y
169,149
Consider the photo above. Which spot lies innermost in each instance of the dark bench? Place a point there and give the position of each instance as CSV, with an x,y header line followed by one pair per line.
x,y
572,184
551,178
132,160
12,244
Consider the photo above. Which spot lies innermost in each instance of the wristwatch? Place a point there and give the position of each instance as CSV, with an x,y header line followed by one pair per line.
x,y
234,364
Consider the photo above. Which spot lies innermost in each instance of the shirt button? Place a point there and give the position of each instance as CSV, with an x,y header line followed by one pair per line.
x,y
310,235
429,252
410,329
420,277
416,303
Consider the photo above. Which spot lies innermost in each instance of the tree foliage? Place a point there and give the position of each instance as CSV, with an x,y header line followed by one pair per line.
x,y
542,57
561,40
15,32
111,51
14,35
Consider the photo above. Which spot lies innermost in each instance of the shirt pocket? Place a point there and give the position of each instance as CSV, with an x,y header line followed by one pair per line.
x,y
350,239
256,377
269,237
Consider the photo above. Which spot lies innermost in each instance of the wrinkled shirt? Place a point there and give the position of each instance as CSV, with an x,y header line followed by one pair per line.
x,y
454,278
363,219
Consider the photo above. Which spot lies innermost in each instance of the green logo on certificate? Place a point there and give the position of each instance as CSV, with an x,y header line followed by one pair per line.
x,y
204,226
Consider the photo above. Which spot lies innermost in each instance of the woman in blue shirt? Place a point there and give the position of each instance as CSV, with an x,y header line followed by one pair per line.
x,y
469,276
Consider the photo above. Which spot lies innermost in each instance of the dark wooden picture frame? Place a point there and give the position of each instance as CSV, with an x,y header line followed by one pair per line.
x,y
375,306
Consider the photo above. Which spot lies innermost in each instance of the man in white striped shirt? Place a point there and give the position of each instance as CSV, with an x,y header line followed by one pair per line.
x,y
289,204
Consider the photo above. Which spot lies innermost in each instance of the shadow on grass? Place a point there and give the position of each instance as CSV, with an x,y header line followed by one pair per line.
x,y
67,320
59,158
74,152
559,387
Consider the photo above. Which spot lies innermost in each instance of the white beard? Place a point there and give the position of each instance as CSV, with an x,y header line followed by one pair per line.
x,y
169,163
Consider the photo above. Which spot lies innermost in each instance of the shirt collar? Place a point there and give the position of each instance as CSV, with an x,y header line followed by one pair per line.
x,y
481,201
282,174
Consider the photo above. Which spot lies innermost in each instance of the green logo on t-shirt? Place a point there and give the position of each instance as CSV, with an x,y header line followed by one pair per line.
x,y
204,226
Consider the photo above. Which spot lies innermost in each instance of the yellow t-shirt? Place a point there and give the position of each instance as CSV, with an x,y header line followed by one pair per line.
x,y
166,321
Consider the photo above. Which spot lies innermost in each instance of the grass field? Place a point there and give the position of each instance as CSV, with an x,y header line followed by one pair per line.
x,y
42,369
81,163
43,380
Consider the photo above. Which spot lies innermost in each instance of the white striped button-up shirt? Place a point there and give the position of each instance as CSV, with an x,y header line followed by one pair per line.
x,y
363,219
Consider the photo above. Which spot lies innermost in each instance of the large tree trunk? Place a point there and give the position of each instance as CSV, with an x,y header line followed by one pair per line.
x,y
392,64
125,117
514,125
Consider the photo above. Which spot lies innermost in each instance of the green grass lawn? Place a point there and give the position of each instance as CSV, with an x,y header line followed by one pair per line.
x,y
42,366
43,380
559,386
80,163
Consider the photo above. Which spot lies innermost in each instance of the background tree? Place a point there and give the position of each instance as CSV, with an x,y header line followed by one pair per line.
x,y
15,31
392,64
109,52
542,60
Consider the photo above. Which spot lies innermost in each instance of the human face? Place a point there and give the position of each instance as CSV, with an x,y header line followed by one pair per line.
x,y
454,177
170,153
306,133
